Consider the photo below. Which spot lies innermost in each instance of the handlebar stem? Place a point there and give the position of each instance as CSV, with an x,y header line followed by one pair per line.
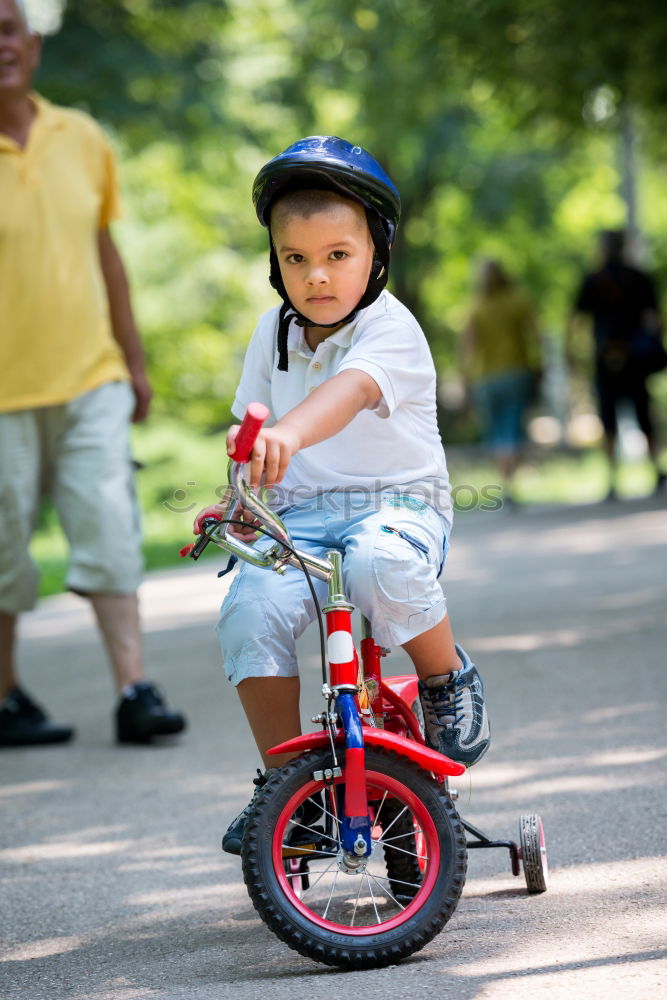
x,y
277,556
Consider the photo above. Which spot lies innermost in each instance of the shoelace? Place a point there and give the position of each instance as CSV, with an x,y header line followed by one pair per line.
x,y
259,781
444,700
16,703
147,694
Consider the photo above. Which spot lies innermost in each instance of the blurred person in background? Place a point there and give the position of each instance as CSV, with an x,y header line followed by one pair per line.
x,y
622,303
500,361
71,379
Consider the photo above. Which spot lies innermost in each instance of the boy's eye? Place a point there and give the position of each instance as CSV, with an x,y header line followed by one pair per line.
x,y
339,255
294,258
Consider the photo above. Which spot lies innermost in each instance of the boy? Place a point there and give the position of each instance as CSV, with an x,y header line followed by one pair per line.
x,y
353,456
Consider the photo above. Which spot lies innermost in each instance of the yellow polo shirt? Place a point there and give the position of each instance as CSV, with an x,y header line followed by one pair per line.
x,y
505,334
55,195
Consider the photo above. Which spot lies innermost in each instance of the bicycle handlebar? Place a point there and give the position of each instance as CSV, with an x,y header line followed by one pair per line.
x,y
214,525
250,427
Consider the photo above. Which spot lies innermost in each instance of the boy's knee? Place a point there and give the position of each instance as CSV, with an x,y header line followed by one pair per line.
x,y
241,621
255,641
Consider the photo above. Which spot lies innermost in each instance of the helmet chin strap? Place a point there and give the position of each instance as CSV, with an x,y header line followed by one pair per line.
x,y
376,283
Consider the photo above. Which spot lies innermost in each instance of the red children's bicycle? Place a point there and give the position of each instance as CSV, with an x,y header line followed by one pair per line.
x,y
353,853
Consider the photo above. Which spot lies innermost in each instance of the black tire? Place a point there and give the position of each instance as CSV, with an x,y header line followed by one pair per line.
x,y
534,853
331,922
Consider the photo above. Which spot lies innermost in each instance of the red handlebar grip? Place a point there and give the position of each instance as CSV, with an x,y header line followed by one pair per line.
x,y
251,425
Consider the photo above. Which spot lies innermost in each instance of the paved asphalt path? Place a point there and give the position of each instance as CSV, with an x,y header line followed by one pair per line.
x,y
113,885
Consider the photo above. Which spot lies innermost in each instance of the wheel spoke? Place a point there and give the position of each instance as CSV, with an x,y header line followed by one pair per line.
x,y
402,850
395,820
326,909
399,836
379,812
324,872
318,897
370,889
385,890
396,881
356,902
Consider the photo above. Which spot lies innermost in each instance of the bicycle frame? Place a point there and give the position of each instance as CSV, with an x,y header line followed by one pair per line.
x,y
361,711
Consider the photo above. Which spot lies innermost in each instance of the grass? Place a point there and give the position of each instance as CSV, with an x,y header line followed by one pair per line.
x,y
183,470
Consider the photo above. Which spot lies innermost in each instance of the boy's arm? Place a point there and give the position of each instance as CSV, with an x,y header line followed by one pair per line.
x,y
326,411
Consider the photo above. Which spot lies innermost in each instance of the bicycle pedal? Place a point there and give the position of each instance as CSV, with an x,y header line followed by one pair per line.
x,y
300,850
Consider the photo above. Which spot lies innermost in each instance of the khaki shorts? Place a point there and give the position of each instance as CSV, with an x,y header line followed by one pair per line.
x,y
79,455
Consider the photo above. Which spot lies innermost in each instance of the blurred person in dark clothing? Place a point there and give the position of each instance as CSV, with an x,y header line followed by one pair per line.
x,y
627,334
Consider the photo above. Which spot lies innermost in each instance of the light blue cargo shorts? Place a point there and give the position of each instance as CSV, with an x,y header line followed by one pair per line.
x,y
394,547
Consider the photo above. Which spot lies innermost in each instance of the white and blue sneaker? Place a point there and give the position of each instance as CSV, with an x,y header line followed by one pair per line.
x,y
456,723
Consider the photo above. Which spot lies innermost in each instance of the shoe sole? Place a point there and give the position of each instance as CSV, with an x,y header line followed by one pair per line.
x,y
38,740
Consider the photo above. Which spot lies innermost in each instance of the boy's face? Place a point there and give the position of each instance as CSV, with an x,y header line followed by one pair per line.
x,y
325,260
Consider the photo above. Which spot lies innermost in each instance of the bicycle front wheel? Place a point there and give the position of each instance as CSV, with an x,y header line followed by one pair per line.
x,y
385,909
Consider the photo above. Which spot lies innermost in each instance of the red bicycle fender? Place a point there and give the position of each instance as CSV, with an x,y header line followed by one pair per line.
x,y
429,760
405,686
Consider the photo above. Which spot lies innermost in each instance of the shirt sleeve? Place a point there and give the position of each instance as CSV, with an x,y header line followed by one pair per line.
x,y
397,357
110,203
255,383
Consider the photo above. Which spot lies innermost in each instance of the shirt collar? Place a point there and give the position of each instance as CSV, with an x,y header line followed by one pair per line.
x,y
297,343
47,117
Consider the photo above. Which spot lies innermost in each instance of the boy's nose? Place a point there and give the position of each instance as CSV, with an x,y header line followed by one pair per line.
x,y
317,276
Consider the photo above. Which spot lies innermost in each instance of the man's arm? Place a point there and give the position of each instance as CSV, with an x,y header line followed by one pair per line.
x,y
122,321
326,411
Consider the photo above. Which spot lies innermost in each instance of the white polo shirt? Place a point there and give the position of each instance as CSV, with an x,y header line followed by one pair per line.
x,y
396,445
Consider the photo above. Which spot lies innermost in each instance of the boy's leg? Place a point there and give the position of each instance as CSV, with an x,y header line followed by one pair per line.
x,y
260,621
392,561
433,653
271,705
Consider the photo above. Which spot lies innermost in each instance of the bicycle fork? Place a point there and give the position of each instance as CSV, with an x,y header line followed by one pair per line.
x,y
343,669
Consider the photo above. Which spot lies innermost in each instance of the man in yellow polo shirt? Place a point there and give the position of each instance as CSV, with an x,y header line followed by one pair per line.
x,y
71,379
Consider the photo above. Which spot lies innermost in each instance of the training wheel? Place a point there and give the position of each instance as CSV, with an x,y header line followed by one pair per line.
x,y
533,852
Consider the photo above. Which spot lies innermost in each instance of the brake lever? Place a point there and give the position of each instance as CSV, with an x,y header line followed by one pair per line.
x,y
195,549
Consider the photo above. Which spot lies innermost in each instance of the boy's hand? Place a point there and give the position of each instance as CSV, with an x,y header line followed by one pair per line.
x,y
246,533
271,453
213,510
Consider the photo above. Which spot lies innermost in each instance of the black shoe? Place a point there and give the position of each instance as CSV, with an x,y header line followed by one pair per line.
x,y
23,723
142,714
231,841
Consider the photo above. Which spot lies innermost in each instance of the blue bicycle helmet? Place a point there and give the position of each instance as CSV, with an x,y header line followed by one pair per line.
x,y
325,161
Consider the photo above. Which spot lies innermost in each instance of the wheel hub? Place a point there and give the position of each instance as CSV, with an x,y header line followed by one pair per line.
x,y
351,864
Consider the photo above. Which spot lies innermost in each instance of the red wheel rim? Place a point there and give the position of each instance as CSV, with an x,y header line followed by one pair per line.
x,y
429,859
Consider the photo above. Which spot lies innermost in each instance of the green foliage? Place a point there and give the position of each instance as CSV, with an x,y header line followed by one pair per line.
x,y
498,119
